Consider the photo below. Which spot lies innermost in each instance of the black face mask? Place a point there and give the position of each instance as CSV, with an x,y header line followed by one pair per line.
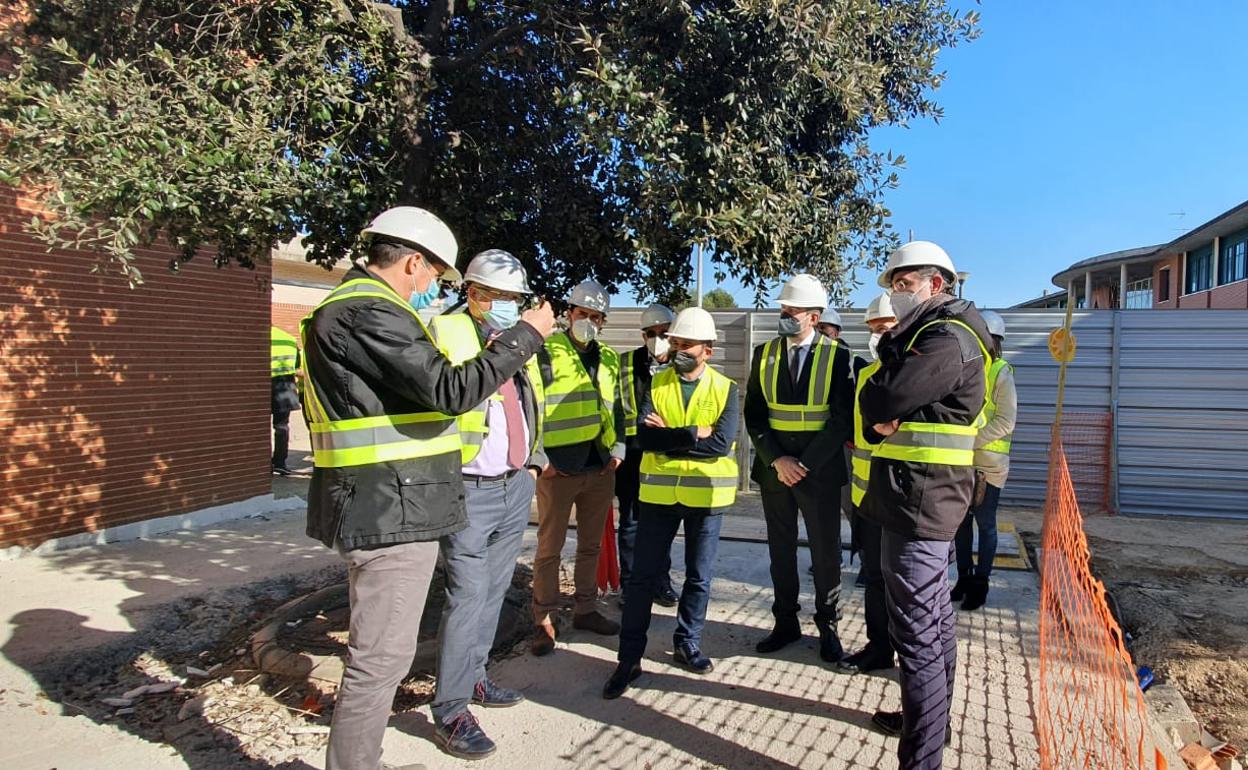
x,y
684,362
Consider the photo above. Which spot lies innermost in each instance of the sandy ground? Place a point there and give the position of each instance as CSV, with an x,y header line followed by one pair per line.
x,y
1180,589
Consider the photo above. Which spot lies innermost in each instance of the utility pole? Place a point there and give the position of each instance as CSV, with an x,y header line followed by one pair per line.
x,y
699,283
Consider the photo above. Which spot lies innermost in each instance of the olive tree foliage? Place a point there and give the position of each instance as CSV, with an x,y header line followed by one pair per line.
x,y
591,139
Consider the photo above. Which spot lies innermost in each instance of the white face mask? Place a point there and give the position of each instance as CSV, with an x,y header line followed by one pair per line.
x,y
874,343
584,331
658,346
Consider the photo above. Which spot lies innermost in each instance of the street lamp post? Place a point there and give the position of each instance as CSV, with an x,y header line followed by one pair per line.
x,y
962,278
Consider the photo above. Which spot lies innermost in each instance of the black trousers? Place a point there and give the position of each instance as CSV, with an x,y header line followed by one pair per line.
x,y
875,603
284,399
820,507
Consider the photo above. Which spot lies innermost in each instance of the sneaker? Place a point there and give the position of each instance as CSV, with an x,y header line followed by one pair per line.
x,y
689,657
595,622
462,737
865,660
890,722
281,470
621,678
666,597
784,634
491,696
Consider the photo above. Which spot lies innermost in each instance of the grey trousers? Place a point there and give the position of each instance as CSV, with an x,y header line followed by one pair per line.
x,y
921,623
480,560
388,589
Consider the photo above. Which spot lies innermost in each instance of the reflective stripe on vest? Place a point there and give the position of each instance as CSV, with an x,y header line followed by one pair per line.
x,y
456,336
933,442
372,439
862,448
283,353
812,415
577,409
698,482
628,393
1000,447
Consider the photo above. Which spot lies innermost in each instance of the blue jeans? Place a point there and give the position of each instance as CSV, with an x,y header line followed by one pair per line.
x,y
984,517
656,529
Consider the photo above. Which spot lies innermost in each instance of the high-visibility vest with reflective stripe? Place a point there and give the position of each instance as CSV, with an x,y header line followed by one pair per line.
x,y
456,336
863,449
283,353
814,413
376,438
935,442
628,393
1000,446
698,482
578,409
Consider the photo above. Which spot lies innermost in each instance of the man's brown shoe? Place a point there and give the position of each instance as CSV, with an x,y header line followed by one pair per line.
x,y
594,621
543,639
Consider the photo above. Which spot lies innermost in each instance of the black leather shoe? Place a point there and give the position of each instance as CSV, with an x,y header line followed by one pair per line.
x,y
976,593
666,597
281,470
958,592
865,660
462,737
780,637
690,657
889,723
621,678
830,649
491,696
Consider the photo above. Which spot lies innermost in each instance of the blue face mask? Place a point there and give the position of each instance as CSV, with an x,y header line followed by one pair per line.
x,y
503,314
422,300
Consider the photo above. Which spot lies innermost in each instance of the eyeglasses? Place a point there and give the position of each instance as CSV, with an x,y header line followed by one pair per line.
x,y
651,334
491,295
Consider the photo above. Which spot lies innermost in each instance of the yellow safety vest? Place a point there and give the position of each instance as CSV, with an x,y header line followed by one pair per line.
x,y
456,336
935,442
1002,445
372,439
628,393
698,482
578,409
863,449
812,415
283,353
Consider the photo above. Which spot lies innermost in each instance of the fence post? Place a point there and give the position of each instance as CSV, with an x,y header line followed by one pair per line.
x,y
1115,364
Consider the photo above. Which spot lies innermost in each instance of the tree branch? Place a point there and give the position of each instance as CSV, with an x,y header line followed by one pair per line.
x,y
437,23
454,63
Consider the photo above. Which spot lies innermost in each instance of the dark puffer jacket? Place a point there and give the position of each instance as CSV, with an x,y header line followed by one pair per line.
x,y
940,379
369,357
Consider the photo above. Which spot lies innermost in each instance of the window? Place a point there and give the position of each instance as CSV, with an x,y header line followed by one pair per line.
x,y
1233,265
1163,285
1199,270
1140,293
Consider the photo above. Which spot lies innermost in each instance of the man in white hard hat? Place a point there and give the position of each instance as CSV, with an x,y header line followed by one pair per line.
x,y
386,483
584,441
878,653
502,456
688,477
637,369
797,411
830,325
992,467
921,408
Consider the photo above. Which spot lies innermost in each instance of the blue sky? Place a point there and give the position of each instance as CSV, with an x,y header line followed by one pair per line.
x,y
1073,129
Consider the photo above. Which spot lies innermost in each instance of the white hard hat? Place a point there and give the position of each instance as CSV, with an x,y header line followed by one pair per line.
x,y
996,324
417,227
591,296
916,254
498,269
880,307
693,323
656,315
830,316
804,290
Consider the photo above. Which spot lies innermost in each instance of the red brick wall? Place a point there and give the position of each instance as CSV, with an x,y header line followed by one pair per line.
x,y
1232,296
287,316
1173,262
120,405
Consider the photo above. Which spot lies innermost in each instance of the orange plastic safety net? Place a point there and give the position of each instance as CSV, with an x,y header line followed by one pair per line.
x,y
1092,713
1086,441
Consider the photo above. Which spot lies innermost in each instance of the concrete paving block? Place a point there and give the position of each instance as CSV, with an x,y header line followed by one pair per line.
x,y
1173,715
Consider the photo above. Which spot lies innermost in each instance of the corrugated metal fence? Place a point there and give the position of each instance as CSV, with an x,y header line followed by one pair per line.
x,y
1174,382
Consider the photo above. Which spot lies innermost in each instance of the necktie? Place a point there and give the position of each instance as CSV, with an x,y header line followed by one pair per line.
x,y
517,451
795,366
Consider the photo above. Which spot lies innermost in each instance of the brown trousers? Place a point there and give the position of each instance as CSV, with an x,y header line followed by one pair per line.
x,y
592,494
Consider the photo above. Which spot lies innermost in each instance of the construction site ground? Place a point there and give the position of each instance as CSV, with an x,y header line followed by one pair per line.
x,y
90,624
1180,587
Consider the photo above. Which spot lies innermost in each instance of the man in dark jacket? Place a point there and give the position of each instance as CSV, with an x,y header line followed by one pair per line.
x,y
387,483
797,411
923,405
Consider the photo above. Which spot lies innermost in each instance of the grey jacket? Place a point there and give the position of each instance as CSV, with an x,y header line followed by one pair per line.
x,y
369,357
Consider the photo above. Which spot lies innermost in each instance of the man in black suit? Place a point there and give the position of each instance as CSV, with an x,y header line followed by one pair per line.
x,y
798,411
